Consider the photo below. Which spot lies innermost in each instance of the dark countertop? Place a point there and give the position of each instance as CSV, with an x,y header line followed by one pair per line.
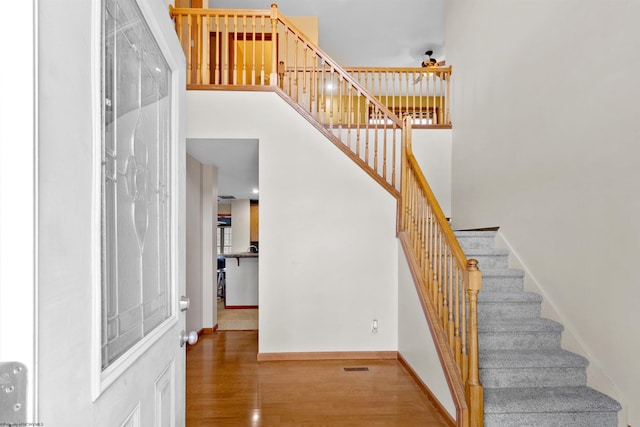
x,y
241,255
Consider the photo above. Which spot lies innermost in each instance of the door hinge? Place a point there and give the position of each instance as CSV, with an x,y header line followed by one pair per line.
x,y
13,392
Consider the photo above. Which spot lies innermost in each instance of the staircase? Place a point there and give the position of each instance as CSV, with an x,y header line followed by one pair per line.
x,y
528,379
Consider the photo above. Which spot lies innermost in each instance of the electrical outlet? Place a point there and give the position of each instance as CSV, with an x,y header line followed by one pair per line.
x,y
374,326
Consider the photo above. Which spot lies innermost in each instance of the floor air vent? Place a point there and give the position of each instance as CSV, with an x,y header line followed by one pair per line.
x,y
357,369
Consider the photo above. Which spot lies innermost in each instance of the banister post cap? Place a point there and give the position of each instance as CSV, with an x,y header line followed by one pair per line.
x,y
475,276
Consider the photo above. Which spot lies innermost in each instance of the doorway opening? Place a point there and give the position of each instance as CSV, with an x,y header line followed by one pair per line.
x,y
224,214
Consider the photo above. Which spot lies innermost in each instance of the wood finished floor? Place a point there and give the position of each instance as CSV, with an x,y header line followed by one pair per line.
x,y
226,386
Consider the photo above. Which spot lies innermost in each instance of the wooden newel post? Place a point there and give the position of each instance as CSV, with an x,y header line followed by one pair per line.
x,y
473,388
273,77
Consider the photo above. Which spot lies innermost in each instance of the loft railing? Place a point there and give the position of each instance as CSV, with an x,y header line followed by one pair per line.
x,y
422,93
234,47
228,47
448,282
262,50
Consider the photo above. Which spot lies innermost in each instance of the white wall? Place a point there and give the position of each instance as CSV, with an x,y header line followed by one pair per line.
x,y
194,244
308,25
210,248
209,194
328,253
240,225
201,248
415,342
432,149
545,111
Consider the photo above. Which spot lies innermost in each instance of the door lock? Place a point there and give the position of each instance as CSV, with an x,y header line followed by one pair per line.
x,y
184,303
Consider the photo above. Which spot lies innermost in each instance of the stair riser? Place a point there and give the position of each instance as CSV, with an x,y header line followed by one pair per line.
x,y
518,340
477,242
502,284
554,419
508,310
491,261
533,377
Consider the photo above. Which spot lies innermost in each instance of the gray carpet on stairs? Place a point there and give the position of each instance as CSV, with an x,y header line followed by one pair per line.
x,y
528,379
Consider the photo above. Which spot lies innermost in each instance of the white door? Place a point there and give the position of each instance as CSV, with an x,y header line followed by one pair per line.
x,y
110,215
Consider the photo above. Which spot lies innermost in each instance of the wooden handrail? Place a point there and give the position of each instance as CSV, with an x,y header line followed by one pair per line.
x,y
229,47
185,11
443,70
438,214
315,80
452,282
337,68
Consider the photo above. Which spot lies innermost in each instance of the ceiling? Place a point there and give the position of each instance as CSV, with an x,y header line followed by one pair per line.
x,y
237,163
357,33
367,33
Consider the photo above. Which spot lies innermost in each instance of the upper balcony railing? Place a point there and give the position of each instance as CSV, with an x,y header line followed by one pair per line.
x,y
422,93
258,48
235,47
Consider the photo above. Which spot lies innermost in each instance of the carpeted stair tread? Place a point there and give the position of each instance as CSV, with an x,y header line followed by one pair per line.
x,y
475,239
496,297
547,399
538,358
534,367
519,325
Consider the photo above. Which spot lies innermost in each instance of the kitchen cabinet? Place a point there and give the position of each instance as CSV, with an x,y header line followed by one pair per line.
x,y
254,222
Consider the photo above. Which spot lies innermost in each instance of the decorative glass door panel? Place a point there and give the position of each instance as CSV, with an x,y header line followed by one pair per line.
x,y
136,291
